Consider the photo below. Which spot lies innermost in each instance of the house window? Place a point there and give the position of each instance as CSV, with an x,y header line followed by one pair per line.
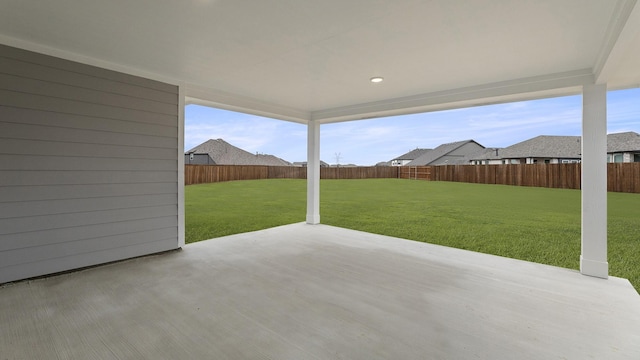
x,y
547,161
617,158
636,157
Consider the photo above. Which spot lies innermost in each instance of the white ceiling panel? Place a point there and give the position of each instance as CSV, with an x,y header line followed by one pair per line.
x,y
301,60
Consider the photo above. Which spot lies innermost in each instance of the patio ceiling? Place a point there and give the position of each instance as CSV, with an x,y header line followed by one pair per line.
x,y
312,60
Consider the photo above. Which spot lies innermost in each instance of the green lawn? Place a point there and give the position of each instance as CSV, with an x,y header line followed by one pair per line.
x,y
534,224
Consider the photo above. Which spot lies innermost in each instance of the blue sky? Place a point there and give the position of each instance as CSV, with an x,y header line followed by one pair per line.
x,y
367,142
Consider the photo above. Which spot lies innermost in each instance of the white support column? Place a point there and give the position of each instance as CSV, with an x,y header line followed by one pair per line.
x,y
313,173
593,259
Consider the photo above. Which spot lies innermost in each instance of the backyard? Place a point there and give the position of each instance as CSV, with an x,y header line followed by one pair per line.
x,y
528,223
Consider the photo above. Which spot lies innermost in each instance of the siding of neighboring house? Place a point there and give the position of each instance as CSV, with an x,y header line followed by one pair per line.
x,y
198,159
88,165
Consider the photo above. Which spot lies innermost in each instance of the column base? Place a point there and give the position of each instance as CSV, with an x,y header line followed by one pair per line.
x,y
594,268
313,219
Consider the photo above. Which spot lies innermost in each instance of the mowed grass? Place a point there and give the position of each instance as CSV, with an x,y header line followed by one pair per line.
x,y
534,224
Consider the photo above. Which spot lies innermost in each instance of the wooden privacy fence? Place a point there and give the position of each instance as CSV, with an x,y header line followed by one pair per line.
x,y
621,177
199,174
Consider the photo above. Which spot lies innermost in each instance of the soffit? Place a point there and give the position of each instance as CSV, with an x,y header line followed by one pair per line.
x,y
302,60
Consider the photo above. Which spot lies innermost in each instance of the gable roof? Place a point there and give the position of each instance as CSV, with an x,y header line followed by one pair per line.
x,y
413,154
621,142
485,154
432,156
223,153
545,146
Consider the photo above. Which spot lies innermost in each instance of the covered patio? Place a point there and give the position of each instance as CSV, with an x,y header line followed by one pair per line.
x,y
92,98
318,292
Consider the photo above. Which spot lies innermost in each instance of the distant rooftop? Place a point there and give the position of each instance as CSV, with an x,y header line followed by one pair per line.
x,y
223,153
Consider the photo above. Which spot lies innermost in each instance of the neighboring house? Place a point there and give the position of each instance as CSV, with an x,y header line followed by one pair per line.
x,y
623,147
404,159
544,149
448,154
220,152
487,156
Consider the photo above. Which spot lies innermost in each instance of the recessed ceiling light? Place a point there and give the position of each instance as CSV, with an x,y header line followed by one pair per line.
x,y
376,79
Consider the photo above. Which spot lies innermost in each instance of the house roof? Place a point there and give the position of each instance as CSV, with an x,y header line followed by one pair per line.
x,y
567,147
437,153
485,154
312,60
621,142
223,153
545,146
413,154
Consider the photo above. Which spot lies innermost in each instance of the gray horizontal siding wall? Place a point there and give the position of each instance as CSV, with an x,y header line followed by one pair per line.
x,y
88,165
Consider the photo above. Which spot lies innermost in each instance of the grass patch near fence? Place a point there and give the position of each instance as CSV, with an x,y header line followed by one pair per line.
x,y
534,224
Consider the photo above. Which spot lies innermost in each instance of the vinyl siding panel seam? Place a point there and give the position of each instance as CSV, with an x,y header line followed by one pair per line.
x,y
77,93
94,204
61,105
6,149
30,189
147,138
53,244
27,239
171,213
91,103
83,119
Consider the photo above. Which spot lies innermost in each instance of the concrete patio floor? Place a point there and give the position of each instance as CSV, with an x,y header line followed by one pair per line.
x,y
319,292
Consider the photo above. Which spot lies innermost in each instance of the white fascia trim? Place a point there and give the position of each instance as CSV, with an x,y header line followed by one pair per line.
x,y
621,32
227,101
553,84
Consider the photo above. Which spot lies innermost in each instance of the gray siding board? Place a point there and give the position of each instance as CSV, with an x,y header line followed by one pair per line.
x,y
70,163
88,165
59,192
84,232
65,106
59,221
10,210
49,266
80,122
62,148
74,67
44,88
15,178
45,252
52,133
53,75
